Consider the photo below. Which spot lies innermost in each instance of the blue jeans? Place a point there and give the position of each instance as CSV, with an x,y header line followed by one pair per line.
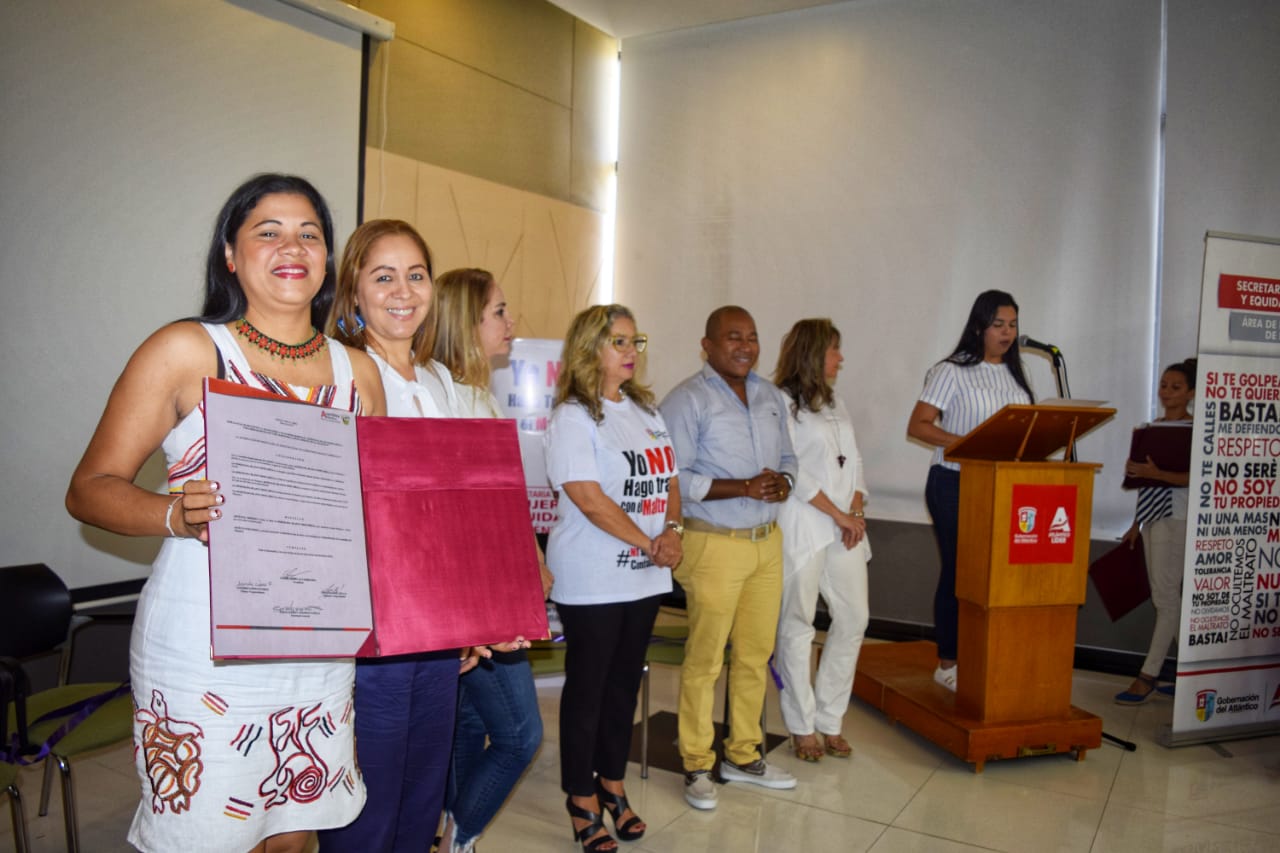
x,y
497,700
404,729
942,496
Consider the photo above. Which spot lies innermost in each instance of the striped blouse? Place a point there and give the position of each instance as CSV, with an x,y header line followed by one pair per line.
x,y
967,395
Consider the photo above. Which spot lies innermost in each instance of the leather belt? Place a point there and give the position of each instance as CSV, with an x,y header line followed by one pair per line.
x,y
755,534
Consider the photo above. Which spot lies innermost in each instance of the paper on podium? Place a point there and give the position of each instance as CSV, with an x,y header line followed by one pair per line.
x,y
345,535
1120,577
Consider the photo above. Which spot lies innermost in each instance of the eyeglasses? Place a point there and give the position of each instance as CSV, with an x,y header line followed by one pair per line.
x,y
621,343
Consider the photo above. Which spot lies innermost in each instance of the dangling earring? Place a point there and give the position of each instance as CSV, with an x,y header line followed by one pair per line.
x,y
342,326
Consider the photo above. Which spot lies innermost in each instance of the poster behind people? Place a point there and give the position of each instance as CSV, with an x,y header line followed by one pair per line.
x,y
1229,644
525,388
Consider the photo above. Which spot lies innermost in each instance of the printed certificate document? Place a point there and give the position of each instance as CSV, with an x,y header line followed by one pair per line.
x,y
354,536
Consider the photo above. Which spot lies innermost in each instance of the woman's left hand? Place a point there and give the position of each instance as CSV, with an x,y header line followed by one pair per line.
x,y
667,549
470,658
852,530
511,646
1146,470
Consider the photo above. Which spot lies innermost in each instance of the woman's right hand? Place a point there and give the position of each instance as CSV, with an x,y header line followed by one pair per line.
x,y
201,503
852,529
1131,535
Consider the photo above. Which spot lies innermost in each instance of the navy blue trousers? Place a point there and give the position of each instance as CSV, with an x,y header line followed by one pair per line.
x,y
405,708
942,496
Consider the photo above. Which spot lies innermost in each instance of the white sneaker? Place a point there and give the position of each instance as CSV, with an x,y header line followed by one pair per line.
x,y
757,773
700,789
946,677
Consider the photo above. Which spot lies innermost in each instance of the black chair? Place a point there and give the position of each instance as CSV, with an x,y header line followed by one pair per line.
x,y
36,619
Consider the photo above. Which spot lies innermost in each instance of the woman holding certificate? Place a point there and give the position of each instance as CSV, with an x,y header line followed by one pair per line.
x,y
249,755
1161,520
982,375
498,729
404,703
619,533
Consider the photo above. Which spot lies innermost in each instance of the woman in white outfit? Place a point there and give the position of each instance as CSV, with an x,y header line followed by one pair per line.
x,y
231,755
824,542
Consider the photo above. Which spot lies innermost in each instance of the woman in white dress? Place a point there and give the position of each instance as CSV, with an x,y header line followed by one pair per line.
x,y
237,755
824,544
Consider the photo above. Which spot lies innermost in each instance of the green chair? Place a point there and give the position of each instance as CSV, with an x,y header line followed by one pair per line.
x,y
36,619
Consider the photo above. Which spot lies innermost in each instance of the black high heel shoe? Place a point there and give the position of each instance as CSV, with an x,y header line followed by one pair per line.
x,y
603,844
616,805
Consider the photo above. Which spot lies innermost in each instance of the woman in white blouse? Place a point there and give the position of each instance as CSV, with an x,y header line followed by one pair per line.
x,y
404,704
824,541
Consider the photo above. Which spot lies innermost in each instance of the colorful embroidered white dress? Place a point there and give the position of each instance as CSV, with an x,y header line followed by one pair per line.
x,y
232,752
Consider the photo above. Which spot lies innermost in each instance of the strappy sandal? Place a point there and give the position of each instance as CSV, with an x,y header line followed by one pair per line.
x,y
602,844
616,805
806,747
1133,697
837,746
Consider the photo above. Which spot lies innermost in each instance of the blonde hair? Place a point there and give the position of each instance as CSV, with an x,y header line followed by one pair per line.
x,y
582,375
458,308
344,323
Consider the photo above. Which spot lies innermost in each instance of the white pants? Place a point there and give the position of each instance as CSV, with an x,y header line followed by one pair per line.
x,y
1165,544
841,576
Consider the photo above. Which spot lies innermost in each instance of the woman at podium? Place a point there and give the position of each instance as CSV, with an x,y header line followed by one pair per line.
x,y
1161,519
982,375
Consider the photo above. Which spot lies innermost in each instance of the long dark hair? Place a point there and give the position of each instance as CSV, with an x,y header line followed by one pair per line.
x,y
224,298
801,362
970,350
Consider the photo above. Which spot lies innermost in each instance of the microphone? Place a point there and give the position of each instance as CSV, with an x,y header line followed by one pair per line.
x,y
1032,343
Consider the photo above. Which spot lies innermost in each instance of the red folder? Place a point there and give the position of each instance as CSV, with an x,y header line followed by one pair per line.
x,y
1168,445
451,551
1120,577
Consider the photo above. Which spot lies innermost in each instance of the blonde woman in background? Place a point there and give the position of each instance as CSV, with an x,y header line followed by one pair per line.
x,y
498,727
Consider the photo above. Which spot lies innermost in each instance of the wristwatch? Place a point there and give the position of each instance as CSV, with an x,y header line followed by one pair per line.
x,y
677,527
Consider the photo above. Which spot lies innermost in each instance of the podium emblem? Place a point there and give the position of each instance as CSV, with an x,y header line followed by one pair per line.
x,y
1026,519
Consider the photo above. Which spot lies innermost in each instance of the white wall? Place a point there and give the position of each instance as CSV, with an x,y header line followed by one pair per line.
x,y
126,126
881,163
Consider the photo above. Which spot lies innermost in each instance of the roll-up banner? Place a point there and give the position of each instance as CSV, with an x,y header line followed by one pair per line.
x,y
1228,677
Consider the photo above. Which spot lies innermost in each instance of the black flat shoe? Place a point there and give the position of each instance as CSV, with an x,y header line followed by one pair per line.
x,y
616,805
603,844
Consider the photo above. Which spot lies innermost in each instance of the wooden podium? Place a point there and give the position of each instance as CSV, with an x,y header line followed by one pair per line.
x,y
1021,572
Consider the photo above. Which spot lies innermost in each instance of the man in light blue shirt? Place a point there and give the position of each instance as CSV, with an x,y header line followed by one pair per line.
x,y
728,427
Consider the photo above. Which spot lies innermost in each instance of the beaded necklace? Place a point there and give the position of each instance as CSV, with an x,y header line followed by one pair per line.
x,y
271,346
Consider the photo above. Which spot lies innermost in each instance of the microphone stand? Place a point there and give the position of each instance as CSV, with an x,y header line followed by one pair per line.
x,y
1064,391
1064,386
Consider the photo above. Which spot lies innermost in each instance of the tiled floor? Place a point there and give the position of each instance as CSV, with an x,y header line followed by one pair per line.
x,y
898,793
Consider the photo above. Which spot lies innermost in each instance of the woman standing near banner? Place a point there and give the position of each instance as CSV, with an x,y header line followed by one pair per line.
x,y
1161,518
498,728
982,375
404,703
